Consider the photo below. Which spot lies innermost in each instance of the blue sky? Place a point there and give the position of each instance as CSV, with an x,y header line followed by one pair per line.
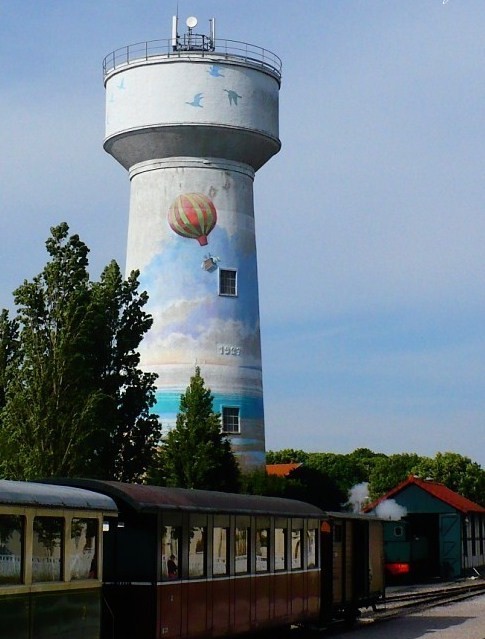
x,y
370,221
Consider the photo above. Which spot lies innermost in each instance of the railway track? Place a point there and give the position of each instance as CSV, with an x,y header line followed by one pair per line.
x,y
395,605
400,603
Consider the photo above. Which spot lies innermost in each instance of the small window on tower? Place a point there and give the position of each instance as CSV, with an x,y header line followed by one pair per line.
x,y
230,419
227,282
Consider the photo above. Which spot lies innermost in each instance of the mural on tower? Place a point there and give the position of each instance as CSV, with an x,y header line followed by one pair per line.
x,y
193,322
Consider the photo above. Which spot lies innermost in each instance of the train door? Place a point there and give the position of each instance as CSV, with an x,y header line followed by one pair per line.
x,y
360,561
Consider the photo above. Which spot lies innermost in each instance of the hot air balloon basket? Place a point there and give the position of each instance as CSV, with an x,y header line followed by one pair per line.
x,y
209,264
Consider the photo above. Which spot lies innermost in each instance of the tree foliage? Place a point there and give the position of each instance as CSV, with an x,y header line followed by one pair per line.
x,y
286,456
303,483
75,402
390,471
196,454
344,470
455,471
381,472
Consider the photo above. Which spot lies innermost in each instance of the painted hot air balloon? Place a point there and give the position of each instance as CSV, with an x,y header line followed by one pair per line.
x,y
193,215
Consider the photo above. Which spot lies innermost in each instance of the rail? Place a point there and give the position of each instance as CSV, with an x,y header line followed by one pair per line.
x,y
191,44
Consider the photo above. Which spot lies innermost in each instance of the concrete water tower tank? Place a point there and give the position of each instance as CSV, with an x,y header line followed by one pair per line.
x,y
192,118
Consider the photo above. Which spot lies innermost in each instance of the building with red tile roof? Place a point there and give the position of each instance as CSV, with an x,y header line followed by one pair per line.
x,y
281,470
441,533
434,488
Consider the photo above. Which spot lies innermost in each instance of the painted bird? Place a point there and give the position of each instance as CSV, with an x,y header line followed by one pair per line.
x,y
215,71
233,96
196,101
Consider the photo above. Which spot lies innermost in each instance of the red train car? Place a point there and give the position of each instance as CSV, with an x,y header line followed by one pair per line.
x,y
187,563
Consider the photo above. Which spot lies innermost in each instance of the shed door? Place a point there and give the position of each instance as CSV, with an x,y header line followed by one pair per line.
x,y
450,546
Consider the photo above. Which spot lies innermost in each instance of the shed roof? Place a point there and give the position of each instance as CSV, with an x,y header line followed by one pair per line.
x,y
151,499
435,489
281,470
23,493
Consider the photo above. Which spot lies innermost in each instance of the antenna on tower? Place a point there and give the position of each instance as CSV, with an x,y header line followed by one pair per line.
x,y
212,24
175,34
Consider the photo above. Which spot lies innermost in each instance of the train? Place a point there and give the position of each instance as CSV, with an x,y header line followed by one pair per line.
x,y
92,559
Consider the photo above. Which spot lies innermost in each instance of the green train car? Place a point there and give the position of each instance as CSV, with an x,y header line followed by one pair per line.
x,y
51,561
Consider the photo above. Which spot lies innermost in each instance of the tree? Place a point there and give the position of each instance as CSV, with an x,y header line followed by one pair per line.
x,y
343,470
455,471
390,471
303,483
131,432
286,456
8,350
258,482
195,454
71,372
366,459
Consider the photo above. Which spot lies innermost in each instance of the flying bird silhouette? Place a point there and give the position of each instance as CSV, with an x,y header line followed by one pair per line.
x,y
215,71
196,101
233,96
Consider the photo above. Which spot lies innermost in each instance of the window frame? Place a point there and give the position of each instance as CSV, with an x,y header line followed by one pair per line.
x,y
223,421
224,285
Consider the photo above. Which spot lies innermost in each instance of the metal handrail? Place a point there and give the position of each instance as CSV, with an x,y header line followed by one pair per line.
x,y
198,45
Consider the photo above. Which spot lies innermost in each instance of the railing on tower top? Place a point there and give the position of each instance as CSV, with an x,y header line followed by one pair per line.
x,y
192,43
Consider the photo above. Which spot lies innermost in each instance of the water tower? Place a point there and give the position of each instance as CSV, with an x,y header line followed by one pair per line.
x,y
192,118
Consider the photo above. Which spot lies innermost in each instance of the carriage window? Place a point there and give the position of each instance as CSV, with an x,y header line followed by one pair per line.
x,y
242,550
11,545
296,549
262,539
171,547
197,551
311,552
220,553
47,549
82,550
280,549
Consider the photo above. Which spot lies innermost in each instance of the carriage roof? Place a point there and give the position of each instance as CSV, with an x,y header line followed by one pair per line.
x,y
22,493
151,499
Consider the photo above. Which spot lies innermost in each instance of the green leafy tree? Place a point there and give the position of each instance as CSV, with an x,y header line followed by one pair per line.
x,y
8,350
455,471
343,470
303,483
286,456
69,372
310,484
196,454
131,433
366,460
390,471
258,482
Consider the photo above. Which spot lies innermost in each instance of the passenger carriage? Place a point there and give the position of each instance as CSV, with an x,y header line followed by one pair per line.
x,y
188,563
51,561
